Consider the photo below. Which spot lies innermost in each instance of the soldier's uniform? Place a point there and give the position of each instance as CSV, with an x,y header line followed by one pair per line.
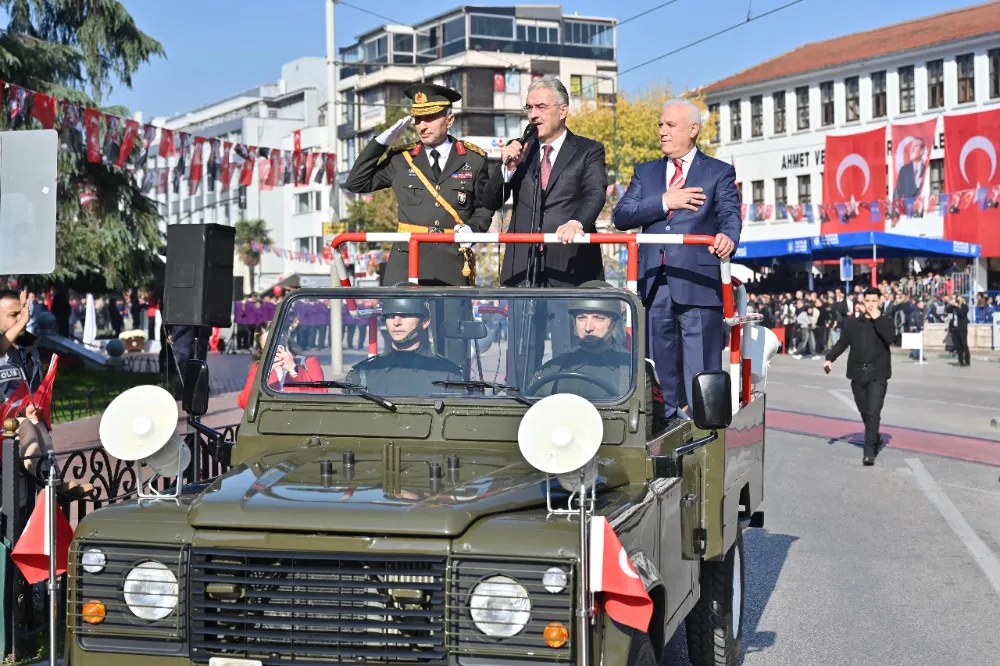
x,y
607,361
405,372
430,199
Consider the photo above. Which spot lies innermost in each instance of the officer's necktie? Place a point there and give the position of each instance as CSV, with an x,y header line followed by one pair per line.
x,y
435,166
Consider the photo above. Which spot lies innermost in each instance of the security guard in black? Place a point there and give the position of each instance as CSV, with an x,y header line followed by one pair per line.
x,y
409,367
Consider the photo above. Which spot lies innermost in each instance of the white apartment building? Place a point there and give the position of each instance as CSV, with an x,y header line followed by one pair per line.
x,y
266,115
774,116
489,54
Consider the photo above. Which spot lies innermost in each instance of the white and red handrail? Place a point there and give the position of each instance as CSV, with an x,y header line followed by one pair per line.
x,y
735,318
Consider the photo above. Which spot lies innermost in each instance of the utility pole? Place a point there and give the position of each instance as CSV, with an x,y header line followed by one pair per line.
x,y
336,326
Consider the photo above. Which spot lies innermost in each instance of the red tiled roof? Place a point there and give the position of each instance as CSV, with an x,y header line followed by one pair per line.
x,y
937,29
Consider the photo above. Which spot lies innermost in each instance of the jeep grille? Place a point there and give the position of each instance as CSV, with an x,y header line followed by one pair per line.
x,y
280,607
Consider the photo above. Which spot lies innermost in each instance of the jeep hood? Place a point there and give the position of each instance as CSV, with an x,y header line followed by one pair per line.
x,y
380,494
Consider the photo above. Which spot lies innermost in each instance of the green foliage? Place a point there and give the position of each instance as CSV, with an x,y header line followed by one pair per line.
x,y
248,231
77,50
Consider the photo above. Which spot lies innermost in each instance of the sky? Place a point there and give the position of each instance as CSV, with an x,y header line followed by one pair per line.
x,y
216,48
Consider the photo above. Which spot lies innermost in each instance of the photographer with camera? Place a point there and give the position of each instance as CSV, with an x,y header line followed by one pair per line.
x,y
869,366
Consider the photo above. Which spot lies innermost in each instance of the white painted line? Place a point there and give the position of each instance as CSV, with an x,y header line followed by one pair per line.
x,y
981,553
844,399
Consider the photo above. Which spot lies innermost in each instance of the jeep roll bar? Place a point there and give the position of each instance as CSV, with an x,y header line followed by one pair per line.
x,y
734,298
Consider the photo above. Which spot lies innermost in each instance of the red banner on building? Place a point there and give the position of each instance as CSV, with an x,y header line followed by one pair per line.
x,y
854,174
970,172
911,156
92,121
226,170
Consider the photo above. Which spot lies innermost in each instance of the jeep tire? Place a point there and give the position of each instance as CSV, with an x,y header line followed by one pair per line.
x,y
641,652
715,624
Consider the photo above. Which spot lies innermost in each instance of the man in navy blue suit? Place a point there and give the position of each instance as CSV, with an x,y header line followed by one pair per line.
x,y
687,192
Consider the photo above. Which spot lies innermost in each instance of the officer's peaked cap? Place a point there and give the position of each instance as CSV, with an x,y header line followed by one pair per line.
x,y
594,303
430,98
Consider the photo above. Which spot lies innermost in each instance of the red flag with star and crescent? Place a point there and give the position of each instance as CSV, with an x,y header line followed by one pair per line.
x,y
854,172
971,164
611,573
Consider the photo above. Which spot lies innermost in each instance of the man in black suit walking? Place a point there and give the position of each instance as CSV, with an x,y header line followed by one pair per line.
x,y
869,365
559,183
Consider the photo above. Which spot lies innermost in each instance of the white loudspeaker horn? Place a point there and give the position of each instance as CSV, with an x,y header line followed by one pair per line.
x,y
761,344
560,433
140,425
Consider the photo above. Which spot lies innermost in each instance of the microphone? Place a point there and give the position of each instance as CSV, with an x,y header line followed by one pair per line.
x,y
529,132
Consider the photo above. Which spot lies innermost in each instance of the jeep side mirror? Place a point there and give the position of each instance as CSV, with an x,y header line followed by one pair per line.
x,y
712,401
195,398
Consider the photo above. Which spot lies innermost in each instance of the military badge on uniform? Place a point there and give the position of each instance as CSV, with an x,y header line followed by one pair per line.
x,y
462,198
420,98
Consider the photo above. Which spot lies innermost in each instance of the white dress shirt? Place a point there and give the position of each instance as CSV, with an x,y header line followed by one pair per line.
x,y
686,162
444,149
556,144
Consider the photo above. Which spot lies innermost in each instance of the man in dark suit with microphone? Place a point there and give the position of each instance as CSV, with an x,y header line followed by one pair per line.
x,y
558,181
687,192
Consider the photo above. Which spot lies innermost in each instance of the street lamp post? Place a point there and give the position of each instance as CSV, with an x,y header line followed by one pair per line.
x,y
614,117
336,327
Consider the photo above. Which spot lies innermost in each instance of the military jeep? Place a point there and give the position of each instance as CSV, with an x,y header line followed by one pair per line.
x,y
406,526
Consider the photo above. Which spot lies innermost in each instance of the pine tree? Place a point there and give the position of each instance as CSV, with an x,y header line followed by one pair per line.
x,y
78,50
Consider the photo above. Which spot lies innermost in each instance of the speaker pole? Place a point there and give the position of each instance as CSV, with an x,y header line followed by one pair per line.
x,y
336,326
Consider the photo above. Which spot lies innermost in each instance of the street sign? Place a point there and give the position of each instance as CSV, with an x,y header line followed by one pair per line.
x,y
334,228
846,269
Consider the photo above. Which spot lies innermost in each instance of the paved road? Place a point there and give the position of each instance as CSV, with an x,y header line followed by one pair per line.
x,y
893,564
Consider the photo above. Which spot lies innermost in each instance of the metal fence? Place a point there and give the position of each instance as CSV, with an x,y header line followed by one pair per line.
x,y
112,481
959,284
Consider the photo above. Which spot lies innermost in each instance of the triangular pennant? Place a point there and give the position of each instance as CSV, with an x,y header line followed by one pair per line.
x,y
32,551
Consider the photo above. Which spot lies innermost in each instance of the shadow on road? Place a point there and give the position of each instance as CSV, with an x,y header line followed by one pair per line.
x,y
765,557
857,440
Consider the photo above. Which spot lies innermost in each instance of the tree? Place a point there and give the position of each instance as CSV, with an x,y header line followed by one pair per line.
x,y
77,50
248,232
638,117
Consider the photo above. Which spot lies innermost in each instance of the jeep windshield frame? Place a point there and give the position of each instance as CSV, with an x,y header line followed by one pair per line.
x,y
492,304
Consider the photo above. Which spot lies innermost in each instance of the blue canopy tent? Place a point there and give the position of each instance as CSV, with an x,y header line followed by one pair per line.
x,y
882,245
787,250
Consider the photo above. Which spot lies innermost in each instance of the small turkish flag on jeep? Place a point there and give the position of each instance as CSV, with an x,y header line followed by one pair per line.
x,y
31,553
611,572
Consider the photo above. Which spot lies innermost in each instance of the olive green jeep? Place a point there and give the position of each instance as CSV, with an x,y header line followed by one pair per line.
x,y
388,514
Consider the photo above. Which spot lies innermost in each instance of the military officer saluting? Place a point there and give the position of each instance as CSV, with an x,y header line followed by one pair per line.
x,y
439,184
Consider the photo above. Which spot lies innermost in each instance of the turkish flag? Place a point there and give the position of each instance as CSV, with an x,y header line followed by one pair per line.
x,y
310,163
92,121
32,551
43,395
226,171
44,109
246,173
331,167
854,171
197,160
625,598
16,403
128,141
970,163
167,148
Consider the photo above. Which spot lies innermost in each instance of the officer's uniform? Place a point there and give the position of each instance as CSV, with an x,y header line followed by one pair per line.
x,y
402,372
461,184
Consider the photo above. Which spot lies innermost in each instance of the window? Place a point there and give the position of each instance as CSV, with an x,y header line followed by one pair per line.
x,y
826,103
317,200
713,111
427,45
303,244
994,57
454,30
302,204
879,108
937,176
757,188
852,98
506,126
587,34
906,97
780,197
537,34
486,25
802,106
935,84
376,50
756,116
805,190
582,86
966,78
735,123
453,80
779,112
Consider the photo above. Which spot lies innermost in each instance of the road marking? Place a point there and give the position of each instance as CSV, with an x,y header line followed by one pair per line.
x,y
889,397
844,399
981,553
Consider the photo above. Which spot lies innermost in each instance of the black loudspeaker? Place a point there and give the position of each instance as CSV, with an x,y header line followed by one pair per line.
x,y
237,288
199,275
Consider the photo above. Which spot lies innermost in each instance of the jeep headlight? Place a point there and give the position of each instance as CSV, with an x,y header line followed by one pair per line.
x,y
500,606
151,591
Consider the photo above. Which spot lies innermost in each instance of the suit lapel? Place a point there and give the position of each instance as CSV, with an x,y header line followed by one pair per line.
x,y
451,164
696,171
566,154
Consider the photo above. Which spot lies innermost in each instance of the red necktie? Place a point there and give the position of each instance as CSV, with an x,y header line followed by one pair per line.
x,y
546,166
677,180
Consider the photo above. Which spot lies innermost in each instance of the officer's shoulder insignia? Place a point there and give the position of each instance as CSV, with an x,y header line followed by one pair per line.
x,y
473,147
401,148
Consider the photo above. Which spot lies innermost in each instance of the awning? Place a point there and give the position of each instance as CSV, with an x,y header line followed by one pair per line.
x,y
859,245
788,248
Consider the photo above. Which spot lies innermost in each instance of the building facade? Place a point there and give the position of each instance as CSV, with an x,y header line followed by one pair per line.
x,y
489,54
774,117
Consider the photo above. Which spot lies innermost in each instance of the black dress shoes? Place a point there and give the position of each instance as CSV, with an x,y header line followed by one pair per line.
x,y
868,460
